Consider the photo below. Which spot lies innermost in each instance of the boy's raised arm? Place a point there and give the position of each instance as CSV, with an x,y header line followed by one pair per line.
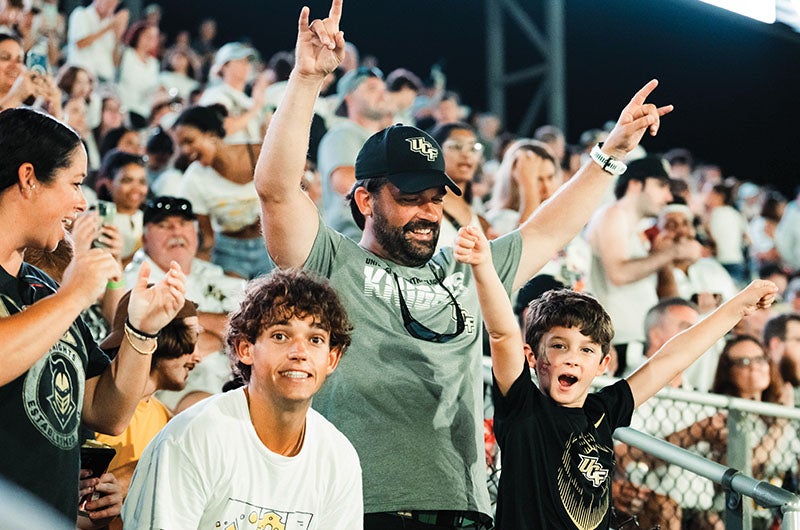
x,y
505,337
289,218
686,347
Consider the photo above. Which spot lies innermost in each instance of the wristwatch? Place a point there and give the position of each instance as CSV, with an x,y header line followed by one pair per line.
x,y
610,165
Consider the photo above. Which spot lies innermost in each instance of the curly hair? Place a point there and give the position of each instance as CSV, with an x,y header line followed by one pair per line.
x,y
569,309
282,295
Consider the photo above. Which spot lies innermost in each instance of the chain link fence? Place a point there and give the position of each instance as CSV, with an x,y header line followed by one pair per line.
x,y
761,440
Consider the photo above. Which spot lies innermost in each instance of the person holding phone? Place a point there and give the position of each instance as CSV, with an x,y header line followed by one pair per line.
x,y
19,85
54,378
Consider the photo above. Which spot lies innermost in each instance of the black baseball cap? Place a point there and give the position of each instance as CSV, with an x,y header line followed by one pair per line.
x,y
409,157
165,206
648,167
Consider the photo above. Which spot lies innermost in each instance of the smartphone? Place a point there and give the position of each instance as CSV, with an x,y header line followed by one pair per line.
x,y
107,211
95,457
36,61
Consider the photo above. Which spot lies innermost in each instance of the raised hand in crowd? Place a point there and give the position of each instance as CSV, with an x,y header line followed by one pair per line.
x,y
637,117
320,44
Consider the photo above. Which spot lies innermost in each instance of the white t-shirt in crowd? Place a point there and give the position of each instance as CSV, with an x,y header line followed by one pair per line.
x,y
138,81
98,57
208,469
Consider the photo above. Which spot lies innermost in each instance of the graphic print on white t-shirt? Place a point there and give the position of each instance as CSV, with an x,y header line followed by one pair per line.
x,y
242,515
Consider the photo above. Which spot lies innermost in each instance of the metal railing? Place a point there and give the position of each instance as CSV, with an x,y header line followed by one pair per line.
x,y
740,439
735,483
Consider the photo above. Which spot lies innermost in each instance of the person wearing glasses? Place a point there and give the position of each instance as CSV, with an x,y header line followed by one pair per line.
x,y
366,105
555,435
463,155
171,234
745,370
54,378
409,395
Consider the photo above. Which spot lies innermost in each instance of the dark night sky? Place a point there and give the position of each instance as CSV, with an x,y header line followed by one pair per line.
x,y
733,81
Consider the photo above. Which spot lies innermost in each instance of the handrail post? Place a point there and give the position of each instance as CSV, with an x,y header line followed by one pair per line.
x,y
791,516
738,512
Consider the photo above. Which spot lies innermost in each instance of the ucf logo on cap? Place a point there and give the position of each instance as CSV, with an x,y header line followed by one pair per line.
x,y
424,147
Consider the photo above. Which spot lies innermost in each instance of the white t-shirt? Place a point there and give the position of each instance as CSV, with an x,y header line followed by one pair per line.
x,y
182,83
728,228
98,57
237,104
230,205
208,469
138,81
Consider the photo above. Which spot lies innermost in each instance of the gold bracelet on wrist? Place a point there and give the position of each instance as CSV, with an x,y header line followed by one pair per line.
x,y
141,352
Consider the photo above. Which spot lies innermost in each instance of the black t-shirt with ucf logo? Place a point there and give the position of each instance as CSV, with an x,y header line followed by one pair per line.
x,y
41,409
558,462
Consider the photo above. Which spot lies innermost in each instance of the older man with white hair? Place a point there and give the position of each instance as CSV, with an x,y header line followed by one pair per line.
x,y
171,233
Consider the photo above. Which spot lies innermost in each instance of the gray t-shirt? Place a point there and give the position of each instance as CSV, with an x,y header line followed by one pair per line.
x,y
339,147
413,409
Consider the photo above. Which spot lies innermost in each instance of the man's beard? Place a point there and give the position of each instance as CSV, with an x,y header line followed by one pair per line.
x,y
410,253
789,370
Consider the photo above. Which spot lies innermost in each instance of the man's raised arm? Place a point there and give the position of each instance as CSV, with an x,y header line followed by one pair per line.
x,y
560,218
289,218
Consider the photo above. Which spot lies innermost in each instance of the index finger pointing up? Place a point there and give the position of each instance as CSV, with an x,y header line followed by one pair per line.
x,y
335,13
640,97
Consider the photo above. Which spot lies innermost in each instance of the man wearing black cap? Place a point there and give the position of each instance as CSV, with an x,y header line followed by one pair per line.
x,y
409,397
170,233
624,266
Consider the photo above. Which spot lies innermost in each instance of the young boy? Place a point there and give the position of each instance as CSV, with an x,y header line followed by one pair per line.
x,y
258,457
556,440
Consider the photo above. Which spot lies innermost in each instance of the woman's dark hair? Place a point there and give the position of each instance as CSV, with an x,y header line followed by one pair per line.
x,y
112,163
167,63
66,78
724,191
111,139
206,119
39,139
159,143
723,381
441,133
281,63
115,160
135,33
772,208
7,36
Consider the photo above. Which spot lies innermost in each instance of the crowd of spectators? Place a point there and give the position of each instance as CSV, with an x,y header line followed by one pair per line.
x,y
173,128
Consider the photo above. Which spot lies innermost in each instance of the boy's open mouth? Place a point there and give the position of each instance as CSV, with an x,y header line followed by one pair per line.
x,y
567,380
